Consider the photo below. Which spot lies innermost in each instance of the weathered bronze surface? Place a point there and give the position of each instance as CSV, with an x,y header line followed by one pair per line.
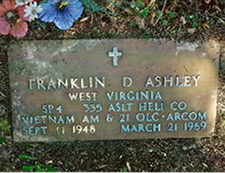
x,y
161,89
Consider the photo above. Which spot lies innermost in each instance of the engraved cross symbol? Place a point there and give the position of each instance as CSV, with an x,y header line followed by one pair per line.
x,y
115,54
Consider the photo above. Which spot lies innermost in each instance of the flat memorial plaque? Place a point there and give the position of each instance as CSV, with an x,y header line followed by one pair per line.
x,y
112,89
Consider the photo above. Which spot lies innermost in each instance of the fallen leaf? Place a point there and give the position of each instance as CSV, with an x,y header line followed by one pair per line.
x,y
221,21
205,165
153,18
141,23
102,166
183,20
185,148
205,25
217,8
49,162
2,94
84,19
191,30
128,166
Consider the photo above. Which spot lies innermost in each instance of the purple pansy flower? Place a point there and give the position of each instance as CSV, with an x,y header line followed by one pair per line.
x,y
62,12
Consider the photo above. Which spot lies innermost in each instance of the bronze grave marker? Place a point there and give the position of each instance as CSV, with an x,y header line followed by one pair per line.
x,y
112,89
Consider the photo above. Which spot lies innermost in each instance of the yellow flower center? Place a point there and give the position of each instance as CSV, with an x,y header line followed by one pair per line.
x,y
62,4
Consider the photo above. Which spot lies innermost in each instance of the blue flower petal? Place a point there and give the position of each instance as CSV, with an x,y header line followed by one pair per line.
x,y
48,13
53,1
64,20
75,8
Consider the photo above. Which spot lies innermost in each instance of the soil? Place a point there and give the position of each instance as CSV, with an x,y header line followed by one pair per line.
x,y
194,154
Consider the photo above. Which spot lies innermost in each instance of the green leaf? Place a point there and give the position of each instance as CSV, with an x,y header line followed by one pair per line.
x,y
192,17
144,13
44,1
195,18
159,15
171,14
24,156
146,36
4,125
194,25
42,24
28,168
141,3
175,31
95,28
132,23
92,6
44,168
2,140
124,169
39,170
50,169
165,22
